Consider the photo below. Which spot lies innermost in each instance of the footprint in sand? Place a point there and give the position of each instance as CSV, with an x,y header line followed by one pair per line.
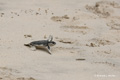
x,y
75,29
60,18
103,8
95,42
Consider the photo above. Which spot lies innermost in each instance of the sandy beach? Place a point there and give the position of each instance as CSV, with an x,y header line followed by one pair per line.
x,y
87,34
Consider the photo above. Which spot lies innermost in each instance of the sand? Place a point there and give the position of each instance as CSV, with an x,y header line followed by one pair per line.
x,y
87,34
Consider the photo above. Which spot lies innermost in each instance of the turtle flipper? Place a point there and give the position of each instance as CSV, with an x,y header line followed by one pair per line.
x,y
48,49
50,38
27,45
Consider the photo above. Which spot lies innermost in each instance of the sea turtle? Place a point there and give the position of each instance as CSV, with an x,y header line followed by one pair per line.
x,y
42,44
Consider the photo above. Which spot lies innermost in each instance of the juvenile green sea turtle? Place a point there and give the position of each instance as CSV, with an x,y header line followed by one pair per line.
x,y
42,44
